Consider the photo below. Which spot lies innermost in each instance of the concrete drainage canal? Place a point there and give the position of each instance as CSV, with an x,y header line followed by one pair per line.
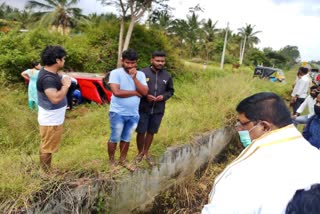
x,y
139,189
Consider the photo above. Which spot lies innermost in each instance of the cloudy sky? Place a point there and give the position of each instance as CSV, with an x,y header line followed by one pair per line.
x,y
282,22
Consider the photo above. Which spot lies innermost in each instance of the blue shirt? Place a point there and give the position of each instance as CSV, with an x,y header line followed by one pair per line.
x,y
128,106
312,131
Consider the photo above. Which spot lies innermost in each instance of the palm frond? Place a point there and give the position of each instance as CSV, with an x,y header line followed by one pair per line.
x,y
36,4
71,2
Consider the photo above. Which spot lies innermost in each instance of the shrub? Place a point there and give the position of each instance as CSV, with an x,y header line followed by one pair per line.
x,y
95,50
20,49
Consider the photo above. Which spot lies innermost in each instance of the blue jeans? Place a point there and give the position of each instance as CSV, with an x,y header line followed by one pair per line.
x,y
122,127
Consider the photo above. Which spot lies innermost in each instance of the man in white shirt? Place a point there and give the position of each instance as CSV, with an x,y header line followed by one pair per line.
x,y
309,101
277,162
300,90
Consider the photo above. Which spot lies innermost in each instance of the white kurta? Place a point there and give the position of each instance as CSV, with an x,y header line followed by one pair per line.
x,y
301,87
265,176
309,101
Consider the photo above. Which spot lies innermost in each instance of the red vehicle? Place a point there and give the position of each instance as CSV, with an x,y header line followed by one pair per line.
x,y
92,87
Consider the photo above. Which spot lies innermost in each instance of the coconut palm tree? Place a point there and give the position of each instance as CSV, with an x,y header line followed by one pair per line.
x,y
161,19
58,13
194,32
208,33
249,39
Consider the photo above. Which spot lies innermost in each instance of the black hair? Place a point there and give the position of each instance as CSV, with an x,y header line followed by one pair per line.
x,y
34,64
305,201
130,54
51,53
158,53
313,87
304,70
265,106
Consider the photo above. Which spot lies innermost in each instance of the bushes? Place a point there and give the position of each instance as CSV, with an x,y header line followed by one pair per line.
x,y
95,50
103,41
20,49
146,41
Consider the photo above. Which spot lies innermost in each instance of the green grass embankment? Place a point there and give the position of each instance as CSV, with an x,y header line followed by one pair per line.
x,y
204,100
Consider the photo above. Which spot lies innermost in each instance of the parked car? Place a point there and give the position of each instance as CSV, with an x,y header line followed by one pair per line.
x,y
93,86
273,74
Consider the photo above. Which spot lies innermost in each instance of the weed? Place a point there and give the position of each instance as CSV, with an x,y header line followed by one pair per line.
x,y
204,100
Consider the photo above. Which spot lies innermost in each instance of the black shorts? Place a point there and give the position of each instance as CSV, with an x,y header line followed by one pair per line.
x,y
149,123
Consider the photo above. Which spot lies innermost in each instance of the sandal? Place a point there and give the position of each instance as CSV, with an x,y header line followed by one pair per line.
x,y
138,159
113,165
128,165
150,161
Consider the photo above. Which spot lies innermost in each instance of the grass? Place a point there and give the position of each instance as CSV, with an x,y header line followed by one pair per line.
x,y
204,100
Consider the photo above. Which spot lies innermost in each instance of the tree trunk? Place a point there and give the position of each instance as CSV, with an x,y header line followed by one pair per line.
x,y
120,44
129,33
243,49
240,52
224,47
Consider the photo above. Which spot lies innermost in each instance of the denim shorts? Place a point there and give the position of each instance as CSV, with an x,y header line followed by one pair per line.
x,y
122,127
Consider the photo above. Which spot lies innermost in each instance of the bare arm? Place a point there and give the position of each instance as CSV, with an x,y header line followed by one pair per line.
x,y
24,75
55,96
142,89
115,88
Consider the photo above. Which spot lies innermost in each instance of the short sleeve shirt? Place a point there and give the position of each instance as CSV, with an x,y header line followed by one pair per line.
x,y
128,106
49,114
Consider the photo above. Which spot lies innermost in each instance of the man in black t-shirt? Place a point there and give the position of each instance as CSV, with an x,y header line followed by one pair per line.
x,y
52,102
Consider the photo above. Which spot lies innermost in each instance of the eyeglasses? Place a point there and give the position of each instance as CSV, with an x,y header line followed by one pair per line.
x,y
238,123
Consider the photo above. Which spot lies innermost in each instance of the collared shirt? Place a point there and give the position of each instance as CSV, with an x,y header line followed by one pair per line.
x,y
310,102
265,176
301,87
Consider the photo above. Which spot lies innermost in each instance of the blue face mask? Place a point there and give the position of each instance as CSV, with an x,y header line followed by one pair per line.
x,y
245,137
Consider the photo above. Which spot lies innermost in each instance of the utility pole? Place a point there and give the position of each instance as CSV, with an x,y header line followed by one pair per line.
x,y
224,46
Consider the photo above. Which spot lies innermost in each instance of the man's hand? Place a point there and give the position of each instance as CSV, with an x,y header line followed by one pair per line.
x,y
294,99
133,72
151,98
66,81
138,94
159,98
294,117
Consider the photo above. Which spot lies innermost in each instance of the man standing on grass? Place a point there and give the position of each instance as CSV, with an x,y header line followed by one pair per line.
x,y
152,106
300,89
127,85
52,101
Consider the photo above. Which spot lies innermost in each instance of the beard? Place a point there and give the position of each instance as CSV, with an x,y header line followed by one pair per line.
x,y
313,95
159,67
